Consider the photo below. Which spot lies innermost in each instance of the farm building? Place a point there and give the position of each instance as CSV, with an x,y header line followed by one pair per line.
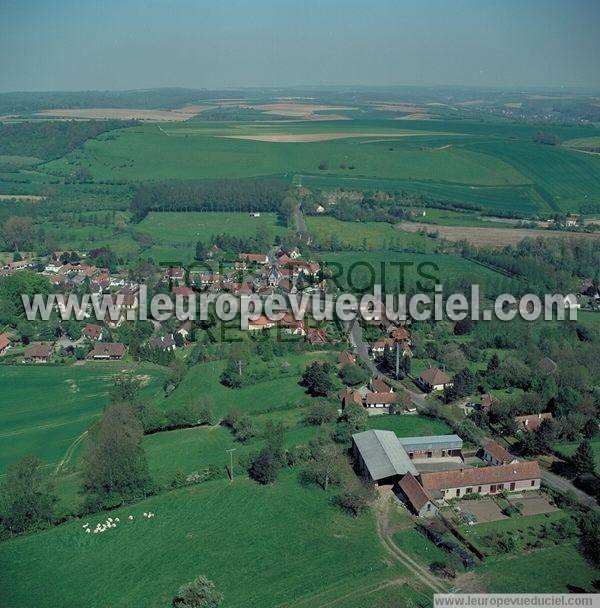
x,y
380,457
436,446
519,476
495,454
106,351
39,353
434,379
379,386
380,400
410,491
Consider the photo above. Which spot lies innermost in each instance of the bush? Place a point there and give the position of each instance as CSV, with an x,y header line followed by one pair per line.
x,y
356,498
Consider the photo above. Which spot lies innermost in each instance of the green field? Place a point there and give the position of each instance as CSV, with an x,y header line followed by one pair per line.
x,y
187,228
189,450
517,525
568,449
548,570
495,166
330,231
263,546
282,392
45,409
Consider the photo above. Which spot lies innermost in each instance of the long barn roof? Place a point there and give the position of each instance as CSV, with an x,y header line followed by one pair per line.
x,y
434,442
383,454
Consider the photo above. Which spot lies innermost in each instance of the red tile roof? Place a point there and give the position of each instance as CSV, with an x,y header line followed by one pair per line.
x,y
107,349
92,332
346,358
379,386
383,398
498,452
434,376
401,333
42,350
4,341
443,480
414,492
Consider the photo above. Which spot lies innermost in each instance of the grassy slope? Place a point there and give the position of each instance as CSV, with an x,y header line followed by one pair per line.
x,y
190,227
44,409
261,545
198,152
546,571
371,235
280,393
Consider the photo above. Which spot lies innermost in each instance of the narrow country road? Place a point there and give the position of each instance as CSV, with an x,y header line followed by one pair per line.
x,y
384,531
362,350
556,481
300,221
564,485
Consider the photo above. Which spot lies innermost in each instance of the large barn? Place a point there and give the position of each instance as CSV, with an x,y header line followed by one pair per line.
x,y
380,457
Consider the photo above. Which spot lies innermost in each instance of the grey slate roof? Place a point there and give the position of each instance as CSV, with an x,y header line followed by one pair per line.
x,y
383,454
435,442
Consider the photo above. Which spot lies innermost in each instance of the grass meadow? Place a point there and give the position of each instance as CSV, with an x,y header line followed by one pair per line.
x,y
280,393
44,409
555,569
187,228
365,235
279,545
495,166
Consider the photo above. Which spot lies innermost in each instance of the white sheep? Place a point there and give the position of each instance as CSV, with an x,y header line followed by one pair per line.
x,y
88,530
130,517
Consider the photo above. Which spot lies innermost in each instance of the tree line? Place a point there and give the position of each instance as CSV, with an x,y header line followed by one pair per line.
x,y
212,195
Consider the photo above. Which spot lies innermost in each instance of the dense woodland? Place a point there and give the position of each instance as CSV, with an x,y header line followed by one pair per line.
x,y
54,138
218,195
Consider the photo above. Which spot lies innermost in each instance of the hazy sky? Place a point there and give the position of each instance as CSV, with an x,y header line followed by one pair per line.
x,y
129,44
